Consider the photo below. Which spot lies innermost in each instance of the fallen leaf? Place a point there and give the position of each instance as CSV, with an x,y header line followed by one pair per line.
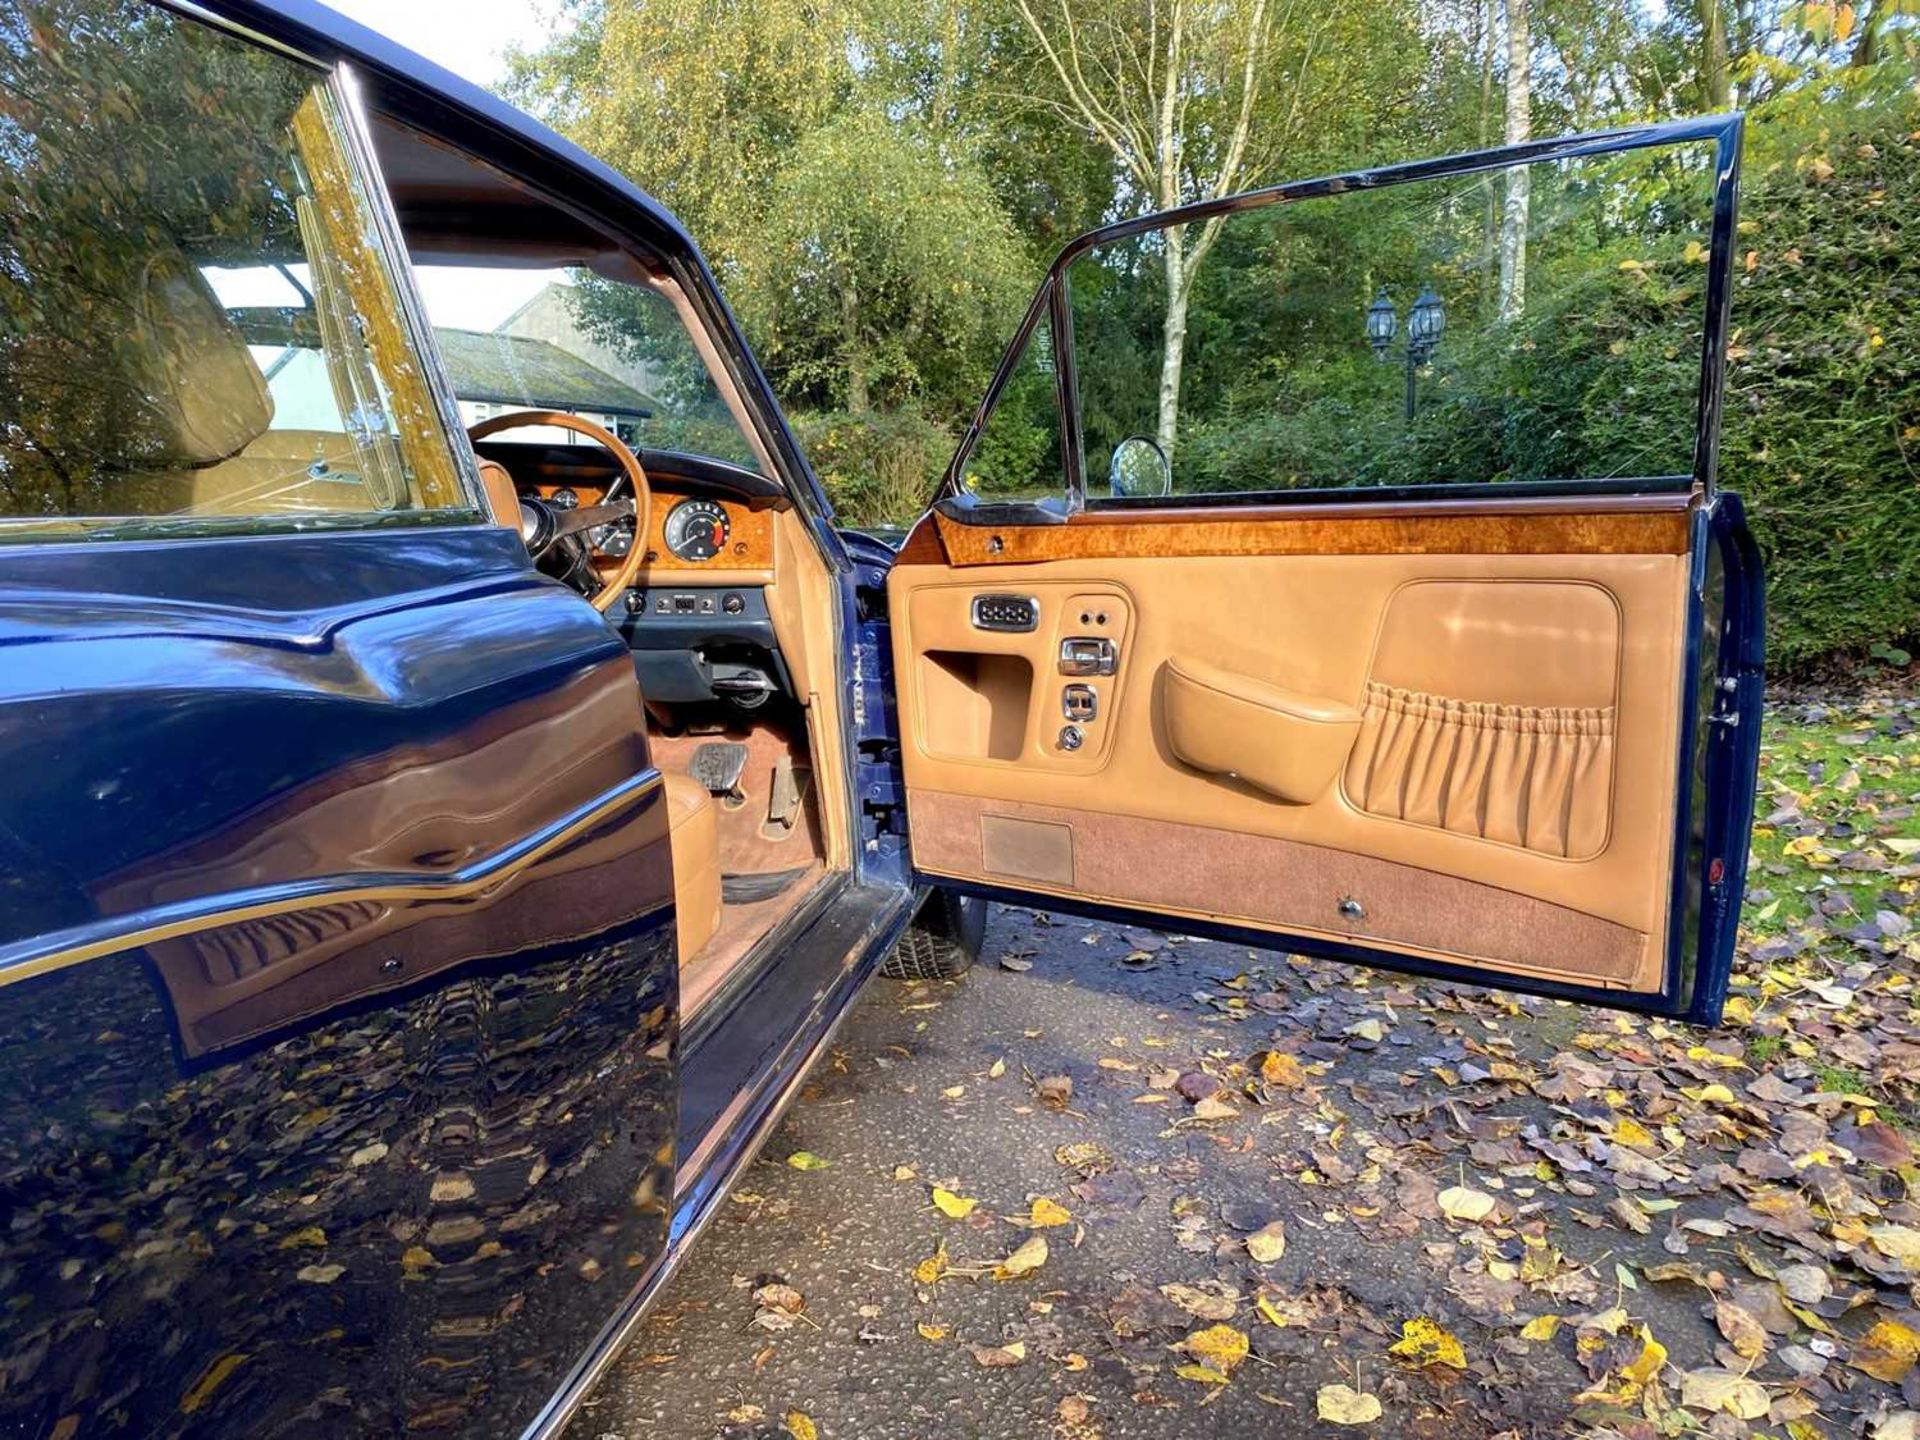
x,y
1048,1213
1220,1347
1458,1202
933,1332
1204,1374
1541,1327
954,1207
210,1380
1424,1342
1216,1303
1887,1351
801,1427
1268,1243
996,1357
1715,1389
1343,1405
1031,1255
1744,1333
1054,1091
807,1160
929,1270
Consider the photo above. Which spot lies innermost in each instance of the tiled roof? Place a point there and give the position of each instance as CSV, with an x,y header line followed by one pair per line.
x,y
515,370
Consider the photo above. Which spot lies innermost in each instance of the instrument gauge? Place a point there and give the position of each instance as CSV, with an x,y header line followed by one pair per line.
x,y
697,530
563,499
613,539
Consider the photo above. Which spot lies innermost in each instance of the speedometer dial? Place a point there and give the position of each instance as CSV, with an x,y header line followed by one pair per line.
x,y
697,529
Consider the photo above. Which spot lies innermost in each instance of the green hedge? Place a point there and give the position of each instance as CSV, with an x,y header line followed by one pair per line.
x,y
1822,427
879,468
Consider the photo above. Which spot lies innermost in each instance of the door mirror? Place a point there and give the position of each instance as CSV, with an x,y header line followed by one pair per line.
x,y
1139,468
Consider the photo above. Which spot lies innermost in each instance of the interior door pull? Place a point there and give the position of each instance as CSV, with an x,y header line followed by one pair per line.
x,y
1088,655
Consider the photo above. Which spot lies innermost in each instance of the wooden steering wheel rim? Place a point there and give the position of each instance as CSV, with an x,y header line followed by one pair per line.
x,y
629,462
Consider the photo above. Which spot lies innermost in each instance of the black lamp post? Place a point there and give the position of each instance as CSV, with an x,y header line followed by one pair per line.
x,y
1426,322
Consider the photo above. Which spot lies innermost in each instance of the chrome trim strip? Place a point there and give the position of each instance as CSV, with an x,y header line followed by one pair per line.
x,y
40,954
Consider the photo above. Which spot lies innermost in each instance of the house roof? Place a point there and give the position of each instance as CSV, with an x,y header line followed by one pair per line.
x,y
518,370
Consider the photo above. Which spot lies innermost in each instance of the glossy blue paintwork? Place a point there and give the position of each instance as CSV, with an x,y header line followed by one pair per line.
x,y
347,1106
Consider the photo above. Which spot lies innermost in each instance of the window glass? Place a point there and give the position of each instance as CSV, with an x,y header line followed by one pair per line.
x,y
196,317
1540,324
613,351
1017,454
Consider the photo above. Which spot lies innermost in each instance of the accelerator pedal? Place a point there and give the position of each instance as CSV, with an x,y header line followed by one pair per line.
x,y
718,765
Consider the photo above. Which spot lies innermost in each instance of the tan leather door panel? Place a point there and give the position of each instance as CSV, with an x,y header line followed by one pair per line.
x,y
1316,724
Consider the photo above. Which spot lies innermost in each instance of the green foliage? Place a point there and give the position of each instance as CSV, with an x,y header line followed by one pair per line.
x,y
1822,429
878,182
879,468
884,270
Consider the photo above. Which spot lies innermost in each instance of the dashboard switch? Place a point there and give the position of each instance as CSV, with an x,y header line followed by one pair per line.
x,y
1080,703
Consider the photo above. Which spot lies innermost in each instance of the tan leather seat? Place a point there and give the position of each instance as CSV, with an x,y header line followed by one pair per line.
x,y
693,827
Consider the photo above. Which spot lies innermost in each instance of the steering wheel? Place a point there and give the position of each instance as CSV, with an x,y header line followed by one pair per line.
x,y
544,524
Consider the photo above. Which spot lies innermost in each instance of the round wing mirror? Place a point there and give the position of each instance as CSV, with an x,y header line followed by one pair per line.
x,y
1139,468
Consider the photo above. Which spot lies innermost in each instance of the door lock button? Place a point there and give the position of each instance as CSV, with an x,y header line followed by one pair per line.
x,y
1088,655
1080,703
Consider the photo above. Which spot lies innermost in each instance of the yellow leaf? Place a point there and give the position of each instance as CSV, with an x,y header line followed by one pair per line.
x,y
806,1160
1887,1351
1343,1405
1457,1202
1629,1131
1029,1257
1541,1327
932,1332
954,1207
210,1380
1268,1243
1048,1213
1200,1373
1647,1363
929,1270
307,1237
1268,1311
996,1070
1424,1343
1277,1067
1715,1389
1220,1346
801,1427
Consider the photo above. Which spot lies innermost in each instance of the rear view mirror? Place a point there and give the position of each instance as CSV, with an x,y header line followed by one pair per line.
x,y
1139,469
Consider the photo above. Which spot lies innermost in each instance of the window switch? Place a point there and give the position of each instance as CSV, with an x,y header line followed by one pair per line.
x,y
1080,703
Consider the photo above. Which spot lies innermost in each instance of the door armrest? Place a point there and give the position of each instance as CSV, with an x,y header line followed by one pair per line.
x,y
1284,742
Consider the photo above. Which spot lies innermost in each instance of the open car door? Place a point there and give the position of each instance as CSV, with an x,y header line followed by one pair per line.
x,y
1415,630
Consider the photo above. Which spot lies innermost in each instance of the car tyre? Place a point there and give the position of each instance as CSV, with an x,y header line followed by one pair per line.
x,y
942,941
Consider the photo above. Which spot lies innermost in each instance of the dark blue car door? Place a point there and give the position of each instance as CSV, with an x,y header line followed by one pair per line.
x,y
337,980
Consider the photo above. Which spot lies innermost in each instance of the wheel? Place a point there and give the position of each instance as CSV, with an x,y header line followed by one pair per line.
x,y
942,941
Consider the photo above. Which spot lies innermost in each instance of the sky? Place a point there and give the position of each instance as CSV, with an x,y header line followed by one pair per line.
x,y
469,37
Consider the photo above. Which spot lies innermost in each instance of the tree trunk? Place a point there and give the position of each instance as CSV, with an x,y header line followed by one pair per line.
x,y
1513,224
1487,42
1173,350
1713,56
1866,49
858,400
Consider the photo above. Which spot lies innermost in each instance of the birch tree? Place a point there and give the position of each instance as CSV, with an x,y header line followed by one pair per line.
x,y
1178,90
1514,218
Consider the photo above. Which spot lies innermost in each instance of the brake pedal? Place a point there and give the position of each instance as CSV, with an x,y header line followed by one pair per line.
x,y
718,765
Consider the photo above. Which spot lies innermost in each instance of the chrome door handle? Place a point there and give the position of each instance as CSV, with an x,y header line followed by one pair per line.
x,y
1088,655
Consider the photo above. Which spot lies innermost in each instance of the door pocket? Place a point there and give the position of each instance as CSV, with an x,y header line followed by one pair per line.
x,y
1540,777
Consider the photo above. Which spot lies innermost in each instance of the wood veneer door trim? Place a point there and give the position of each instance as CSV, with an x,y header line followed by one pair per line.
x,y
1553,525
